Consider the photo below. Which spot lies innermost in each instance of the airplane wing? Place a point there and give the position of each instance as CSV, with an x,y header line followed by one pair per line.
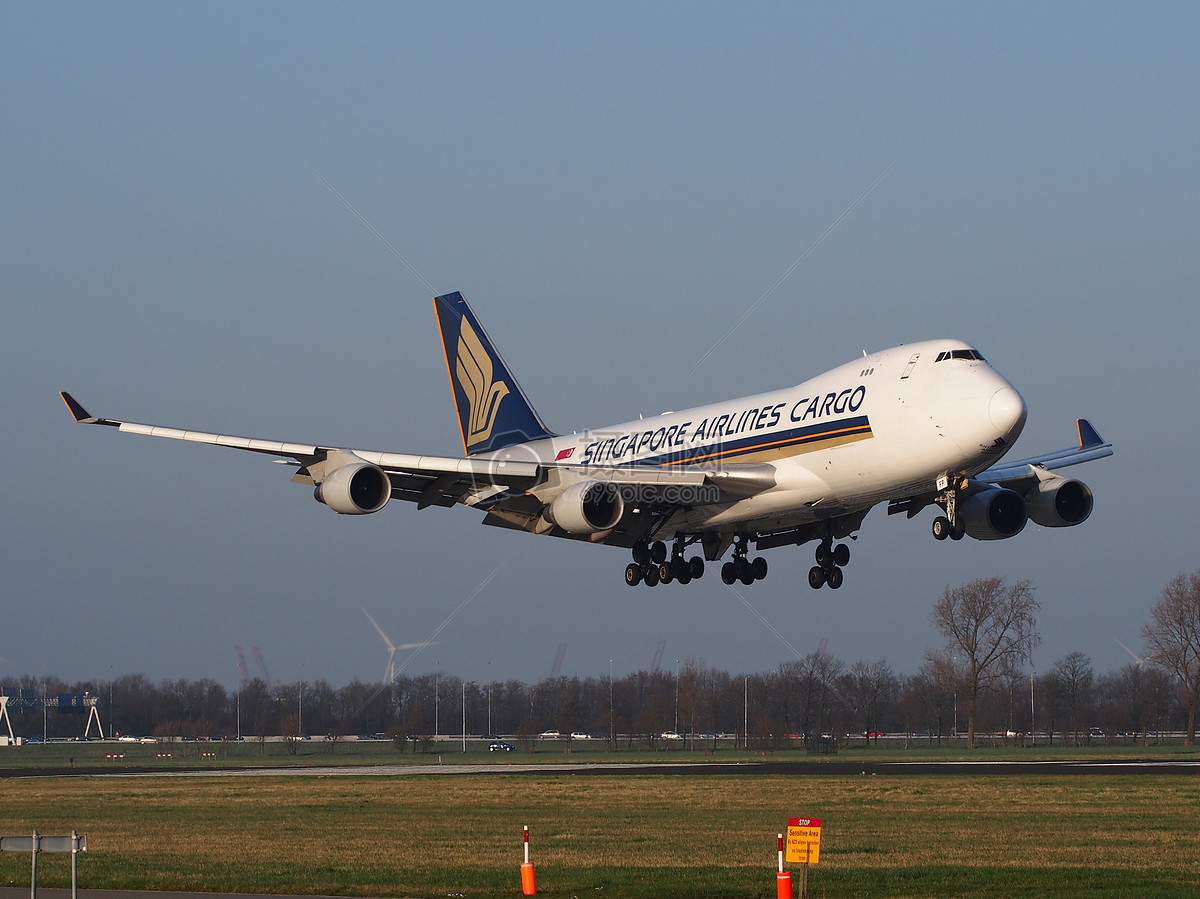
x,y
1025,471
425,480
513,493
1022,474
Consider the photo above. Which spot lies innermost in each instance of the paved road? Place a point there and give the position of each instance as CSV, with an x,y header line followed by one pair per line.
x,y
793,769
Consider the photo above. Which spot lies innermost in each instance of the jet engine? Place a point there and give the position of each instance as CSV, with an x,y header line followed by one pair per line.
x,y
355,489
587,507
1059,503
993,514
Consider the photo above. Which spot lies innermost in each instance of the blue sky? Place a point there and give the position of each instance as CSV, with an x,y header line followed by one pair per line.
x,y
612,187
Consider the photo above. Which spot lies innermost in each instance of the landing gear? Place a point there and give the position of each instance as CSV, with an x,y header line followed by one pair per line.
x,y
742,569
650,565
830,561
949,525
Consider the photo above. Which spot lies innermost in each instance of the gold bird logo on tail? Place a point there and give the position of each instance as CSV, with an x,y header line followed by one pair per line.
x,y
474,370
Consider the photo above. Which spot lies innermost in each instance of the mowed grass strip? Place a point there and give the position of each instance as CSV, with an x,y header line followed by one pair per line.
x,y
637,835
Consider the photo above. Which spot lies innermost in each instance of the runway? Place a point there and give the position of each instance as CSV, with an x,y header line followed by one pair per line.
x,y
746,769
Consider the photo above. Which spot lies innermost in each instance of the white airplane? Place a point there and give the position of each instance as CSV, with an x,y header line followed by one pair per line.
x,y
917,425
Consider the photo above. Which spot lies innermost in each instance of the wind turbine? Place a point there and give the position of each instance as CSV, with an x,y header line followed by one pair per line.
x,y
1140,660
389,674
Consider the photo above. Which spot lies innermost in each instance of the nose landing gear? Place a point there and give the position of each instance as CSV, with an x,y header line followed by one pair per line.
x,y
949,525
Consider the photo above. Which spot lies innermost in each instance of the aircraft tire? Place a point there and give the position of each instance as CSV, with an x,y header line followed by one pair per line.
x,y
665,574
651,576
841,555
824,555
816,577
696,568
834,576
633,574
729,573
959,530
684,578
641,553
941,527
759,568
658,552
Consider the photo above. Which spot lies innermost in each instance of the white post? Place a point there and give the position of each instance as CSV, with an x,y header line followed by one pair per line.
x,y
33,880
74,864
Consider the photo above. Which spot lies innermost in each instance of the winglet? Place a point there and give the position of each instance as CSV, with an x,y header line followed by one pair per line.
x,y
1088,436
79,413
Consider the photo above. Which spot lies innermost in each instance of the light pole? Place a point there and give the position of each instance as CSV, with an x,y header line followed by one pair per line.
x,y
1032,716
612,737
746,713
676,731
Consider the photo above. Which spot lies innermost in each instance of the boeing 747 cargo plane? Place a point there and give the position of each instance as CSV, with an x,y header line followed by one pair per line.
x,y
920,425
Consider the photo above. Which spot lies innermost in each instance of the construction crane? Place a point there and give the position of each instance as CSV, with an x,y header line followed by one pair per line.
x,y
243,672
659,649
262,667
558,660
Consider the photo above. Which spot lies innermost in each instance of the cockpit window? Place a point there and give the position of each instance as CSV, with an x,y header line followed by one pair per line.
x,y
960,354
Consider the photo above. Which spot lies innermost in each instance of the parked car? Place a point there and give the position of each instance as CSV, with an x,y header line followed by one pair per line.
x,y
500,746
580,735
550,735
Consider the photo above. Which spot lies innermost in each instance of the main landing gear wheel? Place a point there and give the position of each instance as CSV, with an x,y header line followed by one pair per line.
x,y
745,570
828,569
651,566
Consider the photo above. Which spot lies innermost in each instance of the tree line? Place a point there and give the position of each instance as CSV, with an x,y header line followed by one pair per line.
x,y
977,682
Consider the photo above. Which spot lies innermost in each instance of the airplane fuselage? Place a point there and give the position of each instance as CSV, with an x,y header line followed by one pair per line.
x,y
886,424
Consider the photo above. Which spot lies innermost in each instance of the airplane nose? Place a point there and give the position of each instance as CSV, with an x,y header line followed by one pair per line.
x,y
1007,412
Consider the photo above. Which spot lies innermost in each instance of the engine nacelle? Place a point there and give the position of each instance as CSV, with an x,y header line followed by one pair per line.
x,y
1059,503
993,514
359,488
587,507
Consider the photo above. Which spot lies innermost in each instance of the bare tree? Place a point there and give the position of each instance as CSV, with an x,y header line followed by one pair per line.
x,y
1173,640
1077,681
990,627
874,687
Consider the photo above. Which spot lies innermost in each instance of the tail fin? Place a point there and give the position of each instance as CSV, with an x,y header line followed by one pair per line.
x,y
492,410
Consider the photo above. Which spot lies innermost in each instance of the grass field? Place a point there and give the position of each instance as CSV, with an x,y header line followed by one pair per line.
x,y
654,835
